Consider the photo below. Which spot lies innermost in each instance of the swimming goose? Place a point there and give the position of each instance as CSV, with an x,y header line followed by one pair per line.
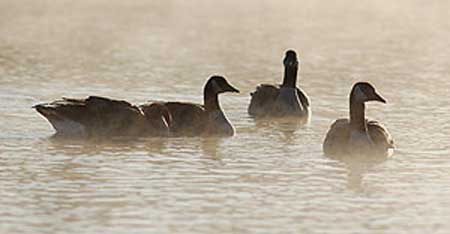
x,y
100,116
207,119
285,100
359,136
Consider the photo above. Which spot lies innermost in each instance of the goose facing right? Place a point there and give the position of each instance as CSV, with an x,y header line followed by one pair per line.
x,y
357,135
190,119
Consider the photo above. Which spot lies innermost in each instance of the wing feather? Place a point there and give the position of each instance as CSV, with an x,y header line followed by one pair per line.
x,y
263,99
187,118
380,135
96,115
337,139
303,98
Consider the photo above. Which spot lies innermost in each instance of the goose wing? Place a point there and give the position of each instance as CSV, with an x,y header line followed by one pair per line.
x,y
380,135
337,138
265,96
263,99
93,115
158,117
187,118
116,117
303,98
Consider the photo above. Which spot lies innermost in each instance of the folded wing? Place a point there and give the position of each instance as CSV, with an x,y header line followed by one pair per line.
x,y
93,116
187,118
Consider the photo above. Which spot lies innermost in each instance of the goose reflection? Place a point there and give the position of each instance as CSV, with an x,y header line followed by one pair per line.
x,y
357,167
95,146
210,147
287,127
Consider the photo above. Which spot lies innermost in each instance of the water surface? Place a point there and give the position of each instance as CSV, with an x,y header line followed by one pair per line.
x,y
270,177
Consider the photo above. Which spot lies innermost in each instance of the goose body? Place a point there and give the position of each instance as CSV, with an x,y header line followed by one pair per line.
x,y
100,116
208,119
276,101
357,135
285,100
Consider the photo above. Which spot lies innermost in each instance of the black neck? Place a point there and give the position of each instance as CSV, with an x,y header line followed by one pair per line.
x,y
210,99
357,114
290,76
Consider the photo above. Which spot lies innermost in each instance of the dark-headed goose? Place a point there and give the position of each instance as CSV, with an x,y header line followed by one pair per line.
x,y
285,100
359,136
100,116
207,119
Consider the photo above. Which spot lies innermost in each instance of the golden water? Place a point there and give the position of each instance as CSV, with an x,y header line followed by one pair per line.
x,y
269,178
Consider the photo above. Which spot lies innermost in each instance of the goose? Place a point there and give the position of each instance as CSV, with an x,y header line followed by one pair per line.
x,y
208,119
357,135
100,116
285,100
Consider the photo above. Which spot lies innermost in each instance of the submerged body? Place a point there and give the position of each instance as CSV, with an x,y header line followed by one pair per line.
x,y
189,119
100,116
357,135
285,100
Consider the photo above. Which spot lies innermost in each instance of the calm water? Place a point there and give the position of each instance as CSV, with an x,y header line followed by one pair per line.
x,y
269,178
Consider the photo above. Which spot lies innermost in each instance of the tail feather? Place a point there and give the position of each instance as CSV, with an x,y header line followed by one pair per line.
x,y
262,100
60,122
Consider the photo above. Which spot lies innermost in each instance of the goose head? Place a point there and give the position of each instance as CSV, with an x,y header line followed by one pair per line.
x,y
290,59
218,84
291,64
365,92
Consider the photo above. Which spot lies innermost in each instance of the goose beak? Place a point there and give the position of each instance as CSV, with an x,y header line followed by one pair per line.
x,y
379,98
232,89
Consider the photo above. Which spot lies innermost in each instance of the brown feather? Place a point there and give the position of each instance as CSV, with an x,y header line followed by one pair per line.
x,y
338,137
263,100
98,116
380,135
187,118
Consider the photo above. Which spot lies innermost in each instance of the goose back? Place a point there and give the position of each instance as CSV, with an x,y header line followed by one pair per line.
x,y
95,116
263,101
337,140
380,135
187,118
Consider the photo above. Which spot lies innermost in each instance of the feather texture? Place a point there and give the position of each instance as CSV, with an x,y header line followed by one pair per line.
x,y
264,103
337,140
100,116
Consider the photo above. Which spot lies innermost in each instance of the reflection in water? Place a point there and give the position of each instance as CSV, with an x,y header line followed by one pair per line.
x,y
210,147
286,126
357,166
93,146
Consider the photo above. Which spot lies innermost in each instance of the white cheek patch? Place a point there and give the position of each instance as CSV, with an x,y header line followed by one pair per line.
x,y
359,94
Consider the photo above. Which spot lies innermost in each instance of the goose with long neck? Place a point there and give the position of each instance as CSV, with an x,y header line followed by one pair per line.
x,y
361,93
207,119
288,102
291,66
285,100
213,87
357,135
